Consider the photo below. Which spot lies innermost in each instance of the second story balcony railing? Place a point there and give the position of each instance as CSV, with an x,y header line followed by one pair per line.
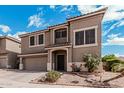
x,y
60,40
59,45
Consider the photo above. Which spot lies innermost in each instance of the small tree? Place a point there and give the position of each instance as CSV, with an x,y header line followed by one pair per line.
x,y
92,62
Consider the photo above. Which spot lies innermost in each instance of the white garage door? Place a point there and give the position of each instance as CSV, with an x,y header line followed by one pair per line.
x,y
35,63
3,62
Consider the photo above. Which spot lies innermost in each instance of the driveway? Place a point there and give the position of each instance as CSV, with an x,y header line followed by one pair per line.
x,y
21,79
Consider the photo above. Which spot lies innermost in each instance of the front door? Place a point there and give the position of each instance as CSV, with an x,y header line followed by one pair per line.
x,y
60,62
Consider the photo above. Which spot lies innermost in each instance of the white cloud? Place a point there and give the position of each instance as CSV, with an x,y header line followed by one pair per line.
x,y
37,20
16,35
121,23
113,12
52,6
34,20
5,28
86,8
115,25
66,8
113,36
114,39
119,55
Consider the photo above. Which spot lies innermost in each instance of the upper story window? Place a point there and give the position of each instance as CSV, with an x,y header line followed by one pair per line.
x,y
85,36
32,40
36,40
79,38
40,39
90,36
60,33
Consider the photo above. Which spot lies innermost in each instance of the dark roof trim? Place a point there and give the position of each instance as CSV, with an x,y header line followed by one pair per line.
x,y
103,10
58,25
34,32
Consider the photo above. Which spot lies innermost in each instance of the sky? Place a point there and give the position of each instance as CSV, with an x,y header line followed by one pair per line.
x,y
16,20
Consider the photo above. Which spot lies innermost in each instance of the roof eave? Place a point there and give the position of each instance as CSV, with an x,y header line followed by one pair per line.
x,y
30,33
102,11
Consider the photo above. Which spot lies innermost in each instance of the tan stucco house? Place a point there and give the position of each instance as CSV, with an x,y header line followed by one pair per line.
x,y
9,48
59,46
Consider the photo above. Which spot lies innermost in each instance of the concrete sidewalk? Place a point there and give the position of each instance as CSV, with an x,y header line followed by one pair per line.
x,y
4,83
21,79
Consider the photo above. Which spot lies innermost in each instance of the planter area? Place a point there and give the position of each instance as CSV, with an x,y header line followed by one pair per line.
x,y
83,79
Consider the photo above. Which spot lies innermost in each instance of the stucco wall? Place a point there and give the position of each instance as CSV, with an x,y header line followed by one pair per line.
x,y
2,45
77,53
13,46
26,49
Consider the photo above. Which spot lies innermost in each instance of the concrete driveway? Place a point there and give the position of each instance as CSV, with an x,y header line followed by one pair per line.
x,y
21,79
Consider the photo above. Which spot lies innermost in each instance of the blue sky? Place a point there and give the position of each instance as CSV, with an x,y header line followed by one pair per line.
x,y
15,20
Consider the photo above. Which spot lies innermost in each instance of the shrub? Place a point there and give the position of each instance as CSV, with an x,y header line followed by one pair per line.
x,y
52,76
112,63
108,64
92,62
117,67
75,68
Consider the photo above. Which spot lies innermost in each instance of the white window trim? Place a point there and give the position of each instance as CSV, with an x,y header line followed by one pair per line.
x,y
84,29
34,41
43,39
57,29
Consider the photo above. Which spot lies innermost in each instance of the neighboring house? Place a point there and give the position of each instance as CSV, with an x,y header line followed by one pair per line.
x,y
9,48
59,46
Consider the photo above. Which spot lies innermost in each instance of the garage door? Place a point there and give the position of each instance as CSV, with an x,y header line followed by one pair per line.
x,y
35,63
3,62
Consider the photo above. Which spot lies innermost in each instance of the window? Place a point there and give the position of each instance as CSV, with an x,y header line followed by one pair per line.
x,y
85,37
40,39
57,34
79,38
61,33
90,36
64,33
32,40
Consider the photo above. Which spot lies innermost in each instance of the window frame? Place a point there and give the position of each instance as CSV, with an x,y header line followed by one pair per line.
x,y
84,29
53,33
43,39
34,41
83,37
61,33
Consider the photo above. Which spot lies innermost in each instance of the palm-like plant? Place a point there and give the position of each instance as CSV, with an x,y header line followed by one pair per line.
x,y
92,62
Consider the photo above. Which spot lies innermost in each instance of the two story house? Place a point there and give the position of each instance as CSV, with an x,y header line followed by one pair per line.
x,y
60,46
9,49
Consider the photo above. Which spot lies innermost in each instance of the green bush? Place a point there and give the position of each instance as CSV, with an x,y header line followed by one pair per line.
x,y
108,64
52,76
112,63
117,67
109,58
92,62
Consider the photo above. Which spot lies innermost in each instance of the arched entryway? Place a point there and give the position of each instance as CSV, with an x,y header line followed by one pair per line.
x,y
59,60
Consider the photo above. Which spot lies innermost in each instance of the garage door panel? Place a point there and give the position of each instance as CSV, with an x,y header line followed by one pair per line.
x,y
3,62
36,63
